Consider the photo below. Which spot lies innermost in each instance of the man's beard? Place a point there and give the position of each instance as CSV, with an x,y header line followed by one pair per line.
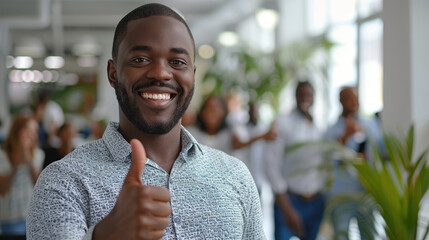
x,y
131,111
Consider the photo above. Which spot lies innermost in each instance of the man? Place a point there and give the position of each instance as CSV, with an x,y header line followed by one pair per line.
x,y
147,178
356,133
295,176
249,142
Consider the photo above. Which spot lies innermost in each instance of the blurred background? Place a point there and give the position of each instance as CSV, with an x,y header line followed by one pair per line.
x,y
60,47
58,50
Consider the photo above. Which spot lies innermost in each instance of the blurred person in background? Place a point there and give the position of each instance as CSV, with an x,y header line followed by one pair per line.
x,y
189,118
355,132
50,117
2,132
295,176
66,135
38,114
20,165
249,141
211,127
250,146
97,129
236,114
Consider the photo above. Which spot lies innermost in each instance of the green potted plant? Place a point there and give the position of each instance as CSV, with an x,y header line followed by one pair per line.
x,y
264,75
397,185
396,181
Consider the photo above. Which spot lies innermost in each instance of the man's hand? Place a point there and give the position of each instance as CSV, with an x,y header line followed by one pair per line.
x,y
271,135
140,212
291,216
293,220
352,127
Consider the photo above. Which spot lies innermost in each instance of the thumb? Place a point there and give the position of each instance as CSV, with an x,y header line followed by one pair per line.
x,y
138,161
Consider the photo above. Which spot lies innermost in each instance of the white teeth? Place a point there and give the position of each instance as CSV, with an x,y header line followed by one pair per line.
x,y
163,96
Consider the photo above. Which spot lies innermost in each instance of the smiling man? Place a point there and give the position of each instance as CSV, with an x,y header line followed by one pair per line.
x,y
147,178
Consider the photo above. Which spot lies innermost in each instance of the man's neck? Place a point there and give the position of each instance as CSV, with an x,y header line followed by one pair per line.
x,y
346,114
306,114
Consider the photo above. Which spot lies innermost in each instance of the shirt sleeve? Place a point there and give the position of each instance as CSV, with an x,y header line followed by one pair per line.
x,y
274,166
253,228
39,157
56,208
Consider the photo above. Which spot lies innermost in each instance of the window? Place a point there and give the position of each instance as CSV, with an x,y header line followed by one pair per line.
x,y
356,60
371,67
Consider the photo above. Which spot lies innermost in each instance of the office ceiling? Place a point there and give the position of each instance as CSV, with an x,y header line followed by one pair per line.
x,y
65,27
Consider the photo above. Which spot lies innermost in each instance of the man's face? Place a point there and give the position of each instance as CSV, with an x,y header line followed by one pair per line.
x,y
153,75
304,97
349,100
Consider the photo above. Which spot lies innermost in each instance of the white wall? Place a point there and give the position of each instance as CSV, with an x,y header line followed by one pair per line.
x,y
4,111
420,69
106,106
406,68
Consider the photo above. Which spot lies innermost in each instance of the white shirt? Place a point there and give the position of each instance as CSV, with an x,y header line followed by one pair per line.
x,y
212,194
253,155
14,205
221,141
297,171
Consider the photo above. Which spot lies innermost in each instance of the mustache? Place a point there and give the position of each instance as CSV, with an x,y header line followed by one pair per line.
x,y
140,85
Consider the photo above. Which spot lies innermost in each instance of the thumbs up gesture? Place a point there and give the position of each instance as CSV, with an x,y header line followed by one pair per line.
x,y
140,212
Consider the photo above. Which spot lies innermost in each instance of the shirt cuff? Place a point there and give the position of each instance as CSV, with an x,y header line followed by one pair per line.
x,y
279,187
88,235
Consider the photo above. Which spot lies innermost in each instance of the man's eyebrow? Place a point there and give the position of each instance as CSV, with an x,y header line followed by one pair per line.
x,y
149,48
180,51
140,48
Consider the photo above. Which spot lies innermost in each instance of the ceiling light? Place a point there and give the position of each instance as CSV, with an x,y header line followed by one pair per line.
x,y
267,18
47,76
206,51
54,62
15,75
23,62
228,39
37,76
27,76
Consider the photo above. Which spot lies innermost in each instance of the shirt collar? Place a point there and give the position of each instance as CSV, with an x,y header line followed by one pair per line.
x,y
121,149
300,114
189,142
115,142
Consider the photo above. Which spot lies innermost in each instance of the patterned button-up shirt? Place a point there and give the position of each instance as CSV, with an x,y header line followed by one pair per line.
x,y
213,195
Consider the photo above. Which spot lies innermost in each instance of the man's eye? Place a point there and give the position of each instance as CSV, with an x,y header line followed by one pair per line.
x,y
178,62
140,59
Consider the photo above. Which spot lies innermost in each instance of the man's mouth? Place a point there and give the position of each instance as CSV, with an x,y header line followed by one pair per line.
x,y
156,96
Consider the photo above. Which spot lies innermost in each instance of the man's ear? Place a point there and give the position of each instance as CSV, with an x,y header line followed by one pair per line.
x,y
111,72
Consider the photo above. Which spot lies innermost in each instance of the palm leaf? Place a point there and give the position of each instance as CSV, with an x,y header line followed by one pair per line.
x,y
397,186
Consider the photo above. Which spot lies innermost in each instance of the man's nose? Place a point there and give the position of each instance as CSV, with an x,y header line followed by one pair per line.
x,y
160,70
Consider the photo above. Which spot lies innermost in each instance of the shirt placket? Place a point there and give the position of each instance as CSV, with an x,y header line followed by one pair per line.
x,y
174,186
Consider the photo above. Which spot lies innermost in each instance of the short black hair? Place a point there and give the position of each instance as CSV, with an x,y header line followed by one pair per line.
x,y
144,11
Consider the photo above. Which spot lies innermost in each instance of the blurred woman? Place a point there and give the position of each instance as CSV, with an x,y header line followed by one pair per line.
x,y
20,164
212,129
65,134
